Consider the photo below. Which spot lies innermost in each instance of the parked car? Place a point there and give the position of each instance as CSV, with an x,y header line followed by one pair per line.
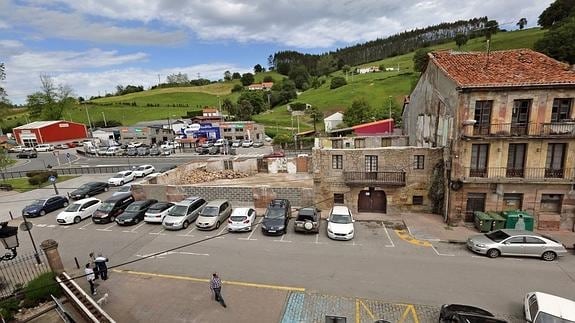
x,y
340,223
135,212
455,313
219,142
126,188
27,153
166,152
144,170
111,208
308,220
242,219
89,189
78,211
103,151
510,242
203,151
183,213
541,308
207,144
115,151
275,154
42,206
214,150
132,152
258,144
143,151
121,178
247,143
277,216
236,143
213,214
44,147
134,144
157,212
61,146
155,151
16,149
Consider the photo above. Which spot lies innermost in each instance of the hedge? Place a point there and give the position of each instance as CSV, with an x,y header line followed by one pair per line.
x,y
33,173
39,290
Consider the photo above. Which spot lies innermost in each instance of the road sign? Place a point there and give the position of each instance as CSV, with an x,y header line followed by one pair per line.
x,y
52,179
68,155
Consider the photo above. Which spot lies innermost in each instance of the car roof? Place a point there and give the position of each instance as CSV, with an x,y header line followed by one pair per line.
x,y
340,209
162,204
217,202
513,232
117,197
88,199
307,211
94,183
187,201
555,305
241,211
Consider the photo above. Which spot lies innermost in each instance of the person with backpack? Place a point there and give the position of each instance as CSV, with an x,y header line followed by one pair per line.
x,y
100,262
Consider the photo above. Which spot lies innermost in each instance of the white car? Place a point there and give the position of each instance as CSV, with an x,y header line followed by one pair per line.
x,y
16,149
236,143
144,170
114,151
134,144
242,219
78,211
121,178
126,188
157,212
340,223
247,143
44,147
219,142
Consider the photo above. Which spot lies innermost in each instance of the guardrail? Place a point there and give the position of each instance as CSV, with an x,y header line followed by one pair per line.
x,y
562,129
84,303
383,178
68,171
530,173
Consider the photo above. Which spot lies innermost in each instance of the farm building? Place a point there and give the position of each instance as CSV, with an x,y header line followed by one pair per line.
x,y
43,132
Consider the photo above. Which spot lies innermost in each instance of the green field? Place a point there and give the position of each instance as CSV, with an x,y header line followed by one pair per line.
x,y
375,88
21,184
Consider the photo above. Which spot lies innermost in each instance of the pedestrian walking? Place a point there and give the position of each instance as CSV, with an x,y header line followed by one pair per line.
x,y
216,287
93,265
101,265
90,277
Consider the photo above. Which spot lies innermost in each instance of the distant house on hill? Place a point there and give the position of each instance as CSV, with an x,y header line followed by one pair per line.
x,y
261,86
332,121
369,69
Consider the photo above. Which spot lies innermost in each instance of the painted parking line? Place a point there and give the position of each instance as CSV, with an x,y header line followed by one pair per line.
x,y
249,238
221,232
107,228
164,254
391,244
86,225
405,236
136,228
161,232
283,239
442,254
40,225
189,233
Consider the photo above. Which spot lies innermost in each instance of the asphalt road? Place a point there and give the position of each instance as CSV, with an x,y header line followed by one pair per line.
x,y
377,264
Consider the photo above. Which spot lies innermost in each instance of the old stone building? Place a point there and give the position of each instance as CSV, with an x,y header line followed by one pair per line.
x,y
373,174
507,121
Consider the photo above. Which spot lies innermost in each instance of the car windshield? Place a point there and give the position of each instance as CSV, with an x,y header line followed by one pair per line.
x,y
305,215
274,213
73,207
118,176
497,236
84,187
548,318
340,218
133,207
178,210
124,189
550,238
238,218
39,202
106,207
210,211
157,208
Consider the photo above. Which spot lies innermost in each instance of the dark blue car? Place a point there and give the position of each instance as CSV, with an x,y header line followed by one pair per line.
x,y
43,206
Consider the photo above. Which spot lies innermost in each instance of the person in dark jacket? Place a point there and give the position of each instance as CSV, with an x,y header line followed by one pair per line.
x,y
101,265
93,265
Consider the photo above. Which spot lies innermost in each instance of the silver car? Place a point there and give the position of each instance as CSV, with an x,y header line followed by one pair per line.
x,y
509,242
214,214
183,213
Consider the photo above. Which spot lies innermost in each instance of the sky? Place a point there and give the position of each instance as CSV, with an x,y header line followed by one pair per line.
x,y
95,45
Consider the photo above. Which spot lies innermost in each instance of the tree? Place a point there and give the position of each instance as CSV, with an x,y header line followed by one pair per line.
x,y
268,78
256,100
283,139
237,88
326,64
236,76
420,59
258,69
49,103
559,42
5,161
359,112
521,23
227,76
336,82
228,106
491,28
35,103
244,110
315,115
270,63
460,40
299,75
180,78
247,79
556,13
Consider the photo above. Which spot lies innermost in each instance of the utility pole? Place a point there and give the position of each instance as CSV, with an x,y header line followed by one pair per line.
x,y
390,101
88,115
159,81
104,116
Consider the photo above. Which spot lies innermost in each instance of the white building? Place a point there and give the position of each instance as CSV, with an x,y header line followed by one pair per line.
x,y
331,122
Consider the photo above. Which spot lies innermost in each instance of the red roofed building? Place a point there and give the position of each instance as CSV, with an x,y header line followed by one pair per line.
x,y
42,132
507,121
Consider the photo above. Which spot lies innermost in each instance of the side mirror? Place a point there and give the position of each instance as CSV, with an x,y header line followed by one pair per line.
x,y
353,221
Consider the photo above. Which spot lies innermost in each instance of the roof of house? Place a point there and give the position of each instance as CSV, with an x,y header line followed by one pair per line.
x,y
38,124
338,116
378,122
506,68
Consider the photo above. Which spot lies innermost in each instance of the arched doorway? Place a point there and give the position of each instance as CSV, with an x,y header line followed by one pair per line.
x,y
371,200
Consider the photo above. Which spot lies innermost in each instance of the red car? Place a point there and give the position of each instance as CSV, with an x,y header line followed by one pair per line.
x,y
275,154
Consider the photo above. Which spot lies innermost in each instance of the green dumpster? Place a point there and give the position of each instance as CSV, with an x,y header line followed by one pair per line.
x,y
518,219
483,221
498,221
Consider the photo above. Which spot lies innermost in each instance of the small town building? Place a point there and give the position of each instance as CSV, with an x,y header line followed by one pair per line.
x,y
140,134
261,86
239,130
209,115
368,69
45,132
332,121
376,128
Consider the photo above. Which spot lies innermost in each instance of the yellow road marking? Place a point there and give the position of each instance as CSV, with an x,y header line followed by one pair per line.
x,y
357,314
367,309
205,280
409,308
405,236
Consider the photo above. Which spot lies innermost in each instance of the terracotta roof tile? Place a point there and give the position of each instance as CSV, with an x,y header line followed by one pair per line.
x,y
507,68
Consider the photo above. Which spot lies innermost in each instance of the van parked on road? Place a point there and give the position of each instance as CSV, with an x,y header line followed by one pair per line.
x,y
112,207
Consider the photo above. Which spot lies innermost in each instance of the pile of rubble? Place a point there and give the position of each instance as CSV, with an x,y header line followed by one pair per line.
x,y
202,175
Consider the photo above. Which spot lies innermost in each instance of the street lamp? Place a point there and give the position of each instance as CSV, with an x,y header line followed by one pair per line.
x,y
9,238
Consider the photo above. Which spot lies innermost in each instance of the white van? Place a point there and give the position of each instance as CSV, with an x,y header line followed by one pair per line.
x,y
546,308
44,147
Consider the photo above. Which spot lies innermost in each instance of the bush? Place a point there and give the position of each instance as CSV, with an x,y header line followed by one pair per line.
x,y
40,177
336,82
237,88
35,180
40,171
39,289
8,307
5,187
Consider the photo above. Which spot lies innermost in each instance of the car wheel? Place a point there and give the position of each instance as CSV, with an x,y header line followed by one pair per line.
x,y
493,253
549,256
185,224
42,212
112,219
77,220
106,189
136,221
121,183
65,204
87,196
217,225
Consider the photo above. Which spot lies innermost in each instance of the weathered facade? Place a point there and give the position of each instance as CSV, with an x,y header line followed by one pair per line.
x,y
508,124
373,174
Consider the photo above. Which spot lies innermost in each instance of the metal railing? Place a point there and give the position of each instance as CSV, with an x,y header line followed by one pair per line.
x,y
16,273
519,173
524,129
380,178
68,171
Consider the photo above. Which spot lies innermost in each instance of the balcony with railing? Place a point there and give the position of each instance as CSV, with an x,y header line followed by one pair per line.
x,y
553,129
375,178
530,174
